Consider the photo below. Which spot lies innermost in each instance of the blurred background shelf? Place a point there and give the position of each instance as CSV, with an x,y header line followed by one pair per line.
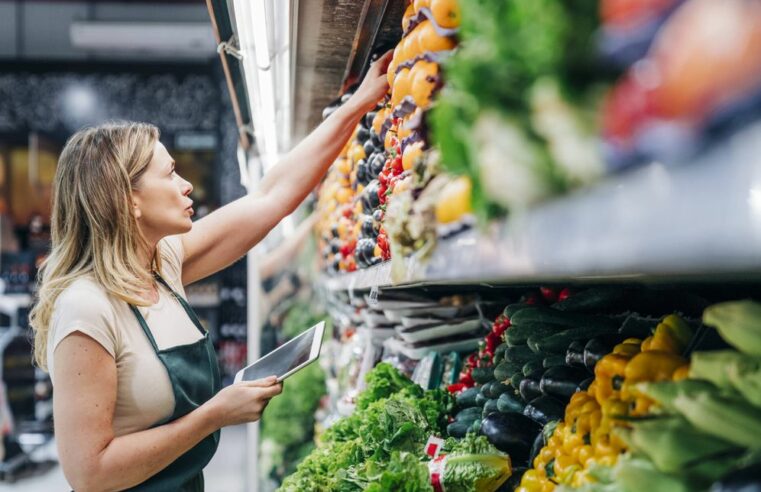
x,y
694,221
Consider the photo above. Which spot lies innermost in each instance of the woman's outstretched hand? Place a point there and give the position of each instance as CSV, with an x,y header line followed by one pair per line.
x,y
375,84
243,402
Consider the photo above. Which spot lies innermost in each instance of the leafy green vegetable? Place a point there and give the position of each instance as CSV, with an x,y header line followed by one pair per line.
x,y
474,465
373,446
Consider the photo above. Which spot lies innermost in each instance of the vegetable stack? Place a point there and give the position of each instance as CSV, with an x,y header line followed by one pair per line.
x,y
586,435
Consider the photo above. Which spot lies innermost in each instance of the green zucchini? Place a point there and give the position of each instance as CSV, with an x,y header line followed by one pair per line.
x,y
483,375
553,360
532,366
520,355
467,398
559,342
510,402
519,334
562,382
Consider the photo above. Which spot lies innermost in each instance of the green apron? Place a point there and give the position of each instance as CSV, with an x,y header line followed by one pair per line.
x,y
194,374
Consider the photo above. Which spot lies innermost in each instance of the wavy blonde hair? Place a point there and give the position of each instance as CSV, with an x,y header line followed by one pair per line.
x,y
93,226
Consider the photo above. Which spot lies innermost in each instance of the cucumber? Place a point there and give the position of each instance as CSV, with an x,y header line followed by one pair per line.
x,y
510,402
483,375
515,380
506,369
520,355
480,400
467,398
519,334
532,366
459,429
486,389
559,342
553,360
468,415
497,388
499,353
511,309
545,315
490,407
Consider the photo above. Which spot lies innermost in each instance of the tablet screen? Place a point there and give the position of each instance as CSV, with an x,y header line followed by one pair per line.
x,y
283,359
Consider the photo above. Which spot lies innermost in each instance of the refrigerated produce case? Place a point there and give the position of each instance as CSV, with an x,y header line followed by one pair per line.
x,y
643,256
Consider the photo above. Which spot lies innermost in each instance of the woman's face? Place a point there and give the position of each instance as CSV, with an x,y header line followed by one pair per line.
x,y
161,198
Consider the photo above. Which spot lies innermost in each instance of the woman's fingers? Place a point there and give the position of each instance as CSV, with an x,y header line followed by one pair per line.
x,y
261,383
380,66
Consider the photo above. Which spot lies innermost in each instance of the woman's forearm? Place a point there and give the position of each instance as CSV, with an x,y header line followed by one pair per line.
x,y
131,459
302,168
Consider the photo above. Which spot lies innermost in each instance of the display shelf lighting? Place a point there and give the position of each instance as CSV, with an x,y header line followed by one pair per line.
x,y
265,41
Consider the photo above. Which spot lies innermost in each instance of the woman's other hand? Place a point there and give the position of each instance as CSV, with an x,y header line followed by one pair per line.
x,y
243,402
375,84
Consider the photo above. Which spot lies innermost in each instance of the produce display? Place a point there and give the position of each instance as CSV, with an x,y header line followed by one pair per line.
x,y
387,156
381,447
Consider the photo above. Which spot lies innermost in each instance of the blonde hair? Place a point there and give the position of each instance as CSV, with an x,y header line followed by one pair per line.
x,y
93,226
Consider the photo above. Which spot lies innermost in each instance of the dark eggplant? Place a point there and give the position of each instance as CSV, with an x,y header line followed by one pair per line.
x,y
594,350
368,227
574,356
368,119
512,433
378,216
369,147
377,163
362,177
584,385
536,447
370,194
481,400
363,135
562,382
530,389
544,409
514,481
745,479
376,140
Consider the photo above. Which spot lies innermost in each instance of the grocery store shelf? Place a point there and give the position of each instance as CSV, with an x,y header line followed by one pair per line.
x,y
699,220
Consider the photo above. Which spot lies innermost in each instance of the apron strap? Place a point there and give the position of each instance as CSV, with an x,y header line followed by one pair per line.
x,y
183,303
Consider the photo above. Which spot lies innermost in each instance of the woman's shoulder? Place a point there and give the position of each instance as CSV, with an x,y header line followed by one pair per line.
x,y
85,294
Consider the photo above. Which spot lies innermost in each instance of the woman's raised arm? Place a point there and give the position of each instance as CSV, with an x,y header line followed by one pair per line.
x,y
228,233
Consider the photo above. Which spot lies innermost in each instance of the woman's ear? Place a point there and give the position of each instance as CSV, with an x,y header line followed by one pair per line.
x,y
136,208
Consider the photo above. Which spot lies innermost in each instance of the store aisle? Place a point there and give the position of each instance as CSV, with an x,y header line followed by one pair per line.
x,y
225,473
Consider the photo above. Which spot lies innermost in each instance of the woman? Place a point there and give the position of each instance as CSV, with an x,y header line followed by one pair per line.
x,y
137,400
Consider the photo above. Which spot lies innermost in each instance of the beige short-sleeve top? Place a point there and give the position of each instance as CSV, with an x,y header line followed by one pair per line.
x,y
144,393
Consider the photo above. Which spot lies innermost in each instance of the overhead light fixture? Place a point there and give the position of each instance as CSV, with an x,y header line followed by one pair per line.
x,y
267,71
189,38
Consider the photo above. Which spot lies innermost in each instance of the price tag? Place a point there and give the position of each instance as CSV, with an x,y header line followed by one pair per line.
x,y
372,299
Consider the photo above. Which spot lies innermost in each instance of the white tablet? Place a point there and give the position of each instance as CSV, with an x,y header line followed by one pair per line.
x,y
287,358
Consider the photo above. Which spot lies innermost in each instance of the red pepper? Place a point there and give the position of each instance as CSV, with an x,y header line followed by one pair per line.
x,y
564,294
492,340
532,299
456,387
550,295
347,212
467,379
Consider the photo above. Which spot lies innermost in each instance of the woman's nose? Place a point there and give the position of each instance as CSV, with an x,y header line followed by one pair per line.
x,y
187,187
